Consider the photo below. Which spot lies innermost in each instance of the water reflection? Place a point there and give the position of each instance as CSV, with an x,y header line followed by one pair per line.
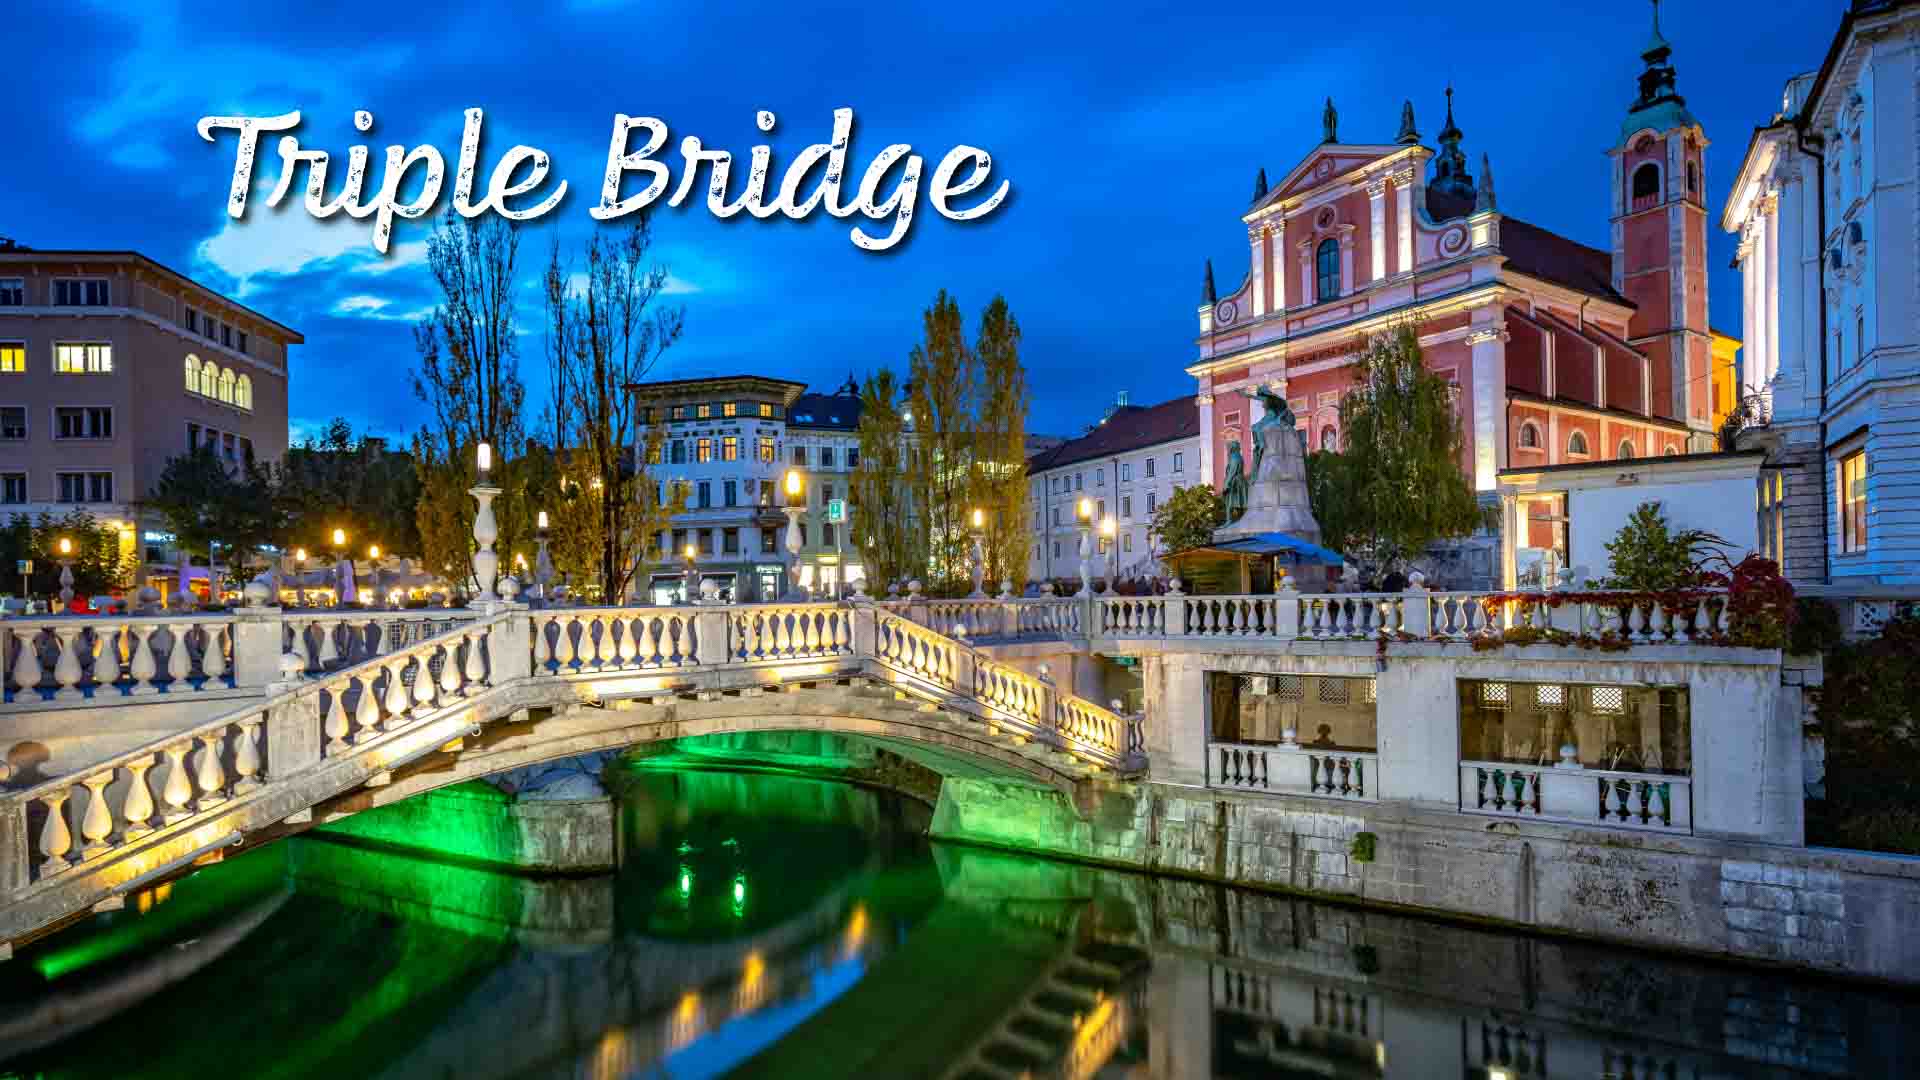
x,y
778,927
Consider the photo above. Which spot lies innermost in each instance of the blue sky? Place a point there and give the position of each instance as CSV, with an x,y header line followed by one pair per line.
x,y
1130,134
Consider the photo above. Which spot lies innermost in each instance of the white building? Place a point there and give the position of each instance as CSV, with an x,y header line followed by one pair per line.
x,y
1127,465
729,442
1825,208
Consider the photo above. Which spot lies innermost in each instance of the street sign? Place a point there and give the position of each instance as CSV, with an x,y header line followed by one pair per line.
x,y
836,510
24,566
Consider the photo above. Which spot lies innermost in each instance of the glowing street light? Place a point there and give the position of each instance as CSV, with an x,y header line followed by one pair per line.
x,y
484,454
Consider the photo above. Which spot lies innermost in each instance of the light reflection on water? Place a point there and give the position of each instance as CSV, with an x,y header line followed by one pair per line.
x,y
781,927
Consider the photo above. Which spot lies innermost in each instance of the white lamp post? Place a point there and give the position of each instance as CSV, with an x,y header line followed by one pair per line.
x,y
796,506
542,563
66,575
1110,532
486,564
299,577
692,552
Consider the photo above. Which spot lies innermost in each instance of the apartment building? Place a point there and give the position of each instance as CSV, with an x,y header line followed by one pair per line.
x,y
110,364
1128,464
728,443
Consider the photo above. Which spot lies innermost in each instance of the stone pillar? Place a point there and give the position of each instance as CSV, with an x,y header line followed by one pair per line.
x,y
294,739
1403,199
1489,420
710,636
1748,745
1377,205
1286,610
257,634
1416,607
1418,731
1257,240
1277,253
864,620
1509,540
1176,722
510,646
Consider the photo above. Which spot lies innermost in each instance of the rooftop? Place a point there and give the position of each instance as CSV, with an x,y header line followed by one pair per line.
x,y
1130,427
15,255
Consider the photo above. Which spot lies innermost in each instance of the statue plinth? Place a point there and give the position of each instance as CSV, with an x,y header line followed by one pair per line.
x,y
1276,499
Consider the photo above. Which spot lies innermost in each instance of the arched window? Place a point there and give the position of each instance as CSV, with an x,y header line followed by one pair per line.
x,y
1530,436
1625,449
193,374
1646,181
1693,178
243,392
1672,450
1326,266
1329,438
210,379
1577,443
226,385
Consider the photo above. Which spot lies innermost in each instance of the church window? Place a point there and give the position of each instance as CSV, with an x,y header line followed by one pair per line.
x,y
1530,436
1646,181
1625,449
1577,444
1327,270
1329,439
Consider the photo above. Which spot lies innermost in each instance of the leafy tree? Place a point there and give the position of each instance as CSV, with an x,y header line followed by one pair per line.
x,y
469,378
1647,555
883,529
1396,486
207,501
604,337
338,480
1188,518
1000,444
942,403
98,565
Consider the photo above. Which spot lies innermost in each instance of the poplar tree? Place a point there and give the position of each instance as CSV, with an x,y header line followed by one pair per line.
x,y
1000,444
883,528
942,408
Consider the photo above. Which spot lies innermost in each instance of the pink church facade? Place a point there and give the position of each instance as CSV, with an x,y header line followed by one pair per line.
x,y
1561,353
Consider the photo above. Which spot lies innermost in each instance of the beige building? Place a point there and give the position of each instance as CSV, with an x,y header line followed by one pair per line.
x,y
110,364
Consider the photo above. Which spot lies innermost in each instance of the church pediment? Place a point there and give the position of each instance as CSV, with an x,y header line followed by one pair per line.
x,y
1325,164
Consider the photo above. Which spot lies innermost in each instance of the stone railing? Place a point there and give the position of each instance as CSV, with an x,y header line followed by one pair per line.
x,y
1294,770
76,660
585,641
1624,800
330,640
147,811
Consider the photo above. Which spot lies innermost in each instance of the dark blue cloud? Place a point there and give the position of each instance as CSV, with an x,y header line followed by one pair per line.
x,y
1131,136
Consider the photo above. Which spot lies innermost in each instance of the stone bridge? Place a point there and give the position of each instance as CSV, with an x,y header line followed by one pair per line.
x,y
508,688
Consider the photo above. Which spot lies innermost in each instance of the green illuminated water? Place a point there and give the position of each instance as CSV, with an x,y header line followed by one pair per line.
x,y
772,926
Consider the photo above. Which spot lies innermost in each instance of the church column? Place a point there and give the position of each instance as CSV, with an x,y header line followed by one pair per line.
x,y
1403,211
1770,308
1205,403
1277,241
1510,538
1377,203
1786,364
1749,305
1488,342
1257,240
1346,259
1306,273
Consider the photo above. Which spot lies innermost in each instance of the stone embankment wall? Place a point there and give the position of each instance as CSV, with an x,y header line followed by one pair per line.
x,y
1840,913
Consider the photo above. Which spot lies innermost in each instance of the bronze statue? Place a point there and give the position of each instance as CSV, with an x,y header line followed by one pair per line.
x,y
1234,491
1277,415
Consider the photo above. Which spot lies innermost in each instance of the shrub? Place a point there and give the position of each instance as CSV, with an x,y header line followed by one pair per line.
x,y
1646,555
1816,627
1871,719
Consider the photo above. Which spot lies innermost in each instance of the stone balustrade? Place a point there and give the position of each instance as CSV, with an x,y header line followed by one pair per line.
x,y
329,640
72,660
1628,800
1294,770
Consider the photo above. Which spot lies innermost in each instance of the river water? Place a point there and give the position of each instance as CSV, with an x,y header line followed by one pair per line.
x,y
770,926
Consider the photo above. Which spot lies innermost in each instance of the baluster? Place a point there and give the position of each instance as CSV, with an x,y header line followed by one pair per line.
x,y
396,698
602,641
842,632
475,668
178,790
1702,622
567,651
66,668
366,712
1657,621
110,652
329,648
1346,776
26,666
137,808
1724,624
334,724
623,641
246,755
423,684
450,670
210,776
1636,630
647,647
296,645
213,656
1360,777
55,840
97,823
542,647
179,660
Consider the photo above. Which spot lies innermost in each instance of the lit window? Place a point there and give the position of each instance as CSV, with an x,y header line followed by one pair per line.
x,y
1853,502
13,358
83,359
210,380
729,409
1326,264
243,392
705,412
193,372
703,449
730,447
226,385
766,411
766,448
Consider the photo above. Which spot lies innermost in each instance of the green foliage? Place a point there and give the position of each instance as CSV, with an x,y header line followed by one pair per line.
x,y
340,480
1648,556
1364,844
98,565
1816,627
882,529
1188,518
1000,445
1396,485
207,501
1871,718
